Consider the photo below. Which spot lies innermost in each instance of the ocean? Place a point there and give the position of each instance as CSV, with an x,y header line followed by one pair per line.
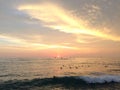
x,y
60,74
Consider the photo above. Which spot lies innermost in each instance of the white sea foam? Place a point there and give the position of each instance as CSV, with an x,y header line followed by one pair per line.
x,y
100,79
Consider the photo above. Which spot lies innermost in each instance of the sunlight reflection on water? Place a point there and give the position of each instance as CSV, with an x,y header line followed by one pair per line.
x,y
18,68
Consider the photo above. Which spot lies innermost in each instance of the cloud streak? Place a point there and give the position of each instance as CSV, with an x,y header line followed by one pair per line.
x,y
60,19
13,41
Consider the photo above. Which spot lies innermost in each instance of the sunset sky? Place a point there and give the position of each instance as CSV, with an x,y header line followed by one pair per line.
x,y
40,28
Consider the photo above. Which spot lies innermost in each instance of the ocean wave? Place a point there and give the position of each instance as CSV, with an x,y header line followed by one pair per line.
x,y
96,82
100,79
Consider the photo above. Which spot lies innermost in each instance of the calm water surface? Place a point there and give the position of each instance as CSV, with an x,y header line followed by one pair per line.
x,y
19,68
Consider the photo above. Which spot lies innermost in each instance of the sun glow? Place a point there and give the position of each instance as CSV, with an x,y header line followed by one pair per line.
x,y
58,56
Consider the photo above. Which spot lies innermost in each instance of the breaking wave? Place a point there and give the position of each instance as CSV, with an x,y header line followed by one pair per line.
x,y
85,82
100,79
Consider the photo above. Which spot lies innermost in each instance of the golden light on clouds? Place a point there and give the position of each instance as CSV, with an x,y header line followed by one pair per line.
x,y
60,19
44,27
33,46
